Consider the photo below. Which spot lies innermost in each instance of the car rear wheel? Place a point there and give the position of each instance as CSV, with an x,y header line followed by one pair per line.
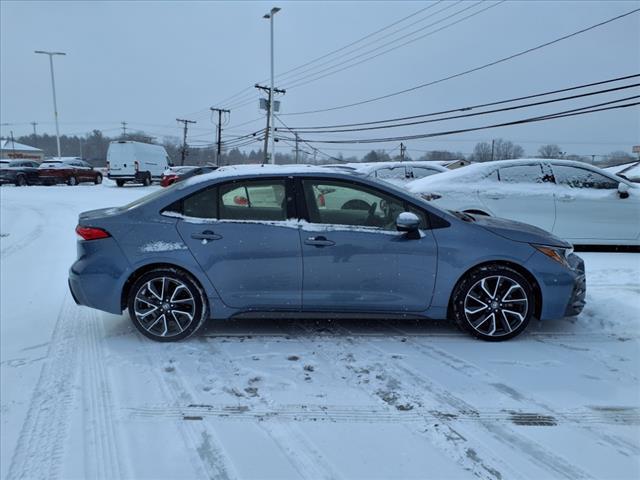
x,y
493,303
21,181
147,180
120,183
167,305
98,179
72,181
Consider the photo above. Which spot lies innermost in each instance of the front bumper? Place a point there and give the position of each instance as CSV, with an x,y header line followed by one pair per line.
x,y
578,295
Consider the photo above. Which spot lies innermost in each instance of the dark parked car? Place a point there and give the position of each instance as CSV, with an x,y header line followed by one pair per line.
x,y
70,171
257,242
177,174
19,172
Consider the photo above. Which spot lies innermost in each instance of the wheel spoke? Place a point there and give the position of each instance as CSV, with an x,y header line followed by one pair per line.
x,y
162,291
495,292
176,290
154,323
145,314
139,299
483,285
479,324
505,322
177,322
151,290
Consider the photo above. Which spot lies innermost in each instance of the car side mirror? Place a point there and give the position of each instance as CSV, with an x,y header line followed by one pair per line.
x,y
407,222
623,190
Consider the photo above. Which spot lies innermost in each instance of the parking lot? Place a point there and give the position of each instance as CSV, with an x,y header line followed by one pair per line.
x,y
85,395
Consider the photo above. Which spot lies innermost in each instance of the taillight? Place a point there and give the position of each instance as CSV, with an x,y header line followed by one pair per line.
x,y
108,167
91,233
137,166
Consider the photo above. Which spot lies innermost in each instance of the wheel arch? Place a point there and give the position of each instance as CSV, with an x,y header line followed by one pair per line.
x,y
126,288
477,211
514,266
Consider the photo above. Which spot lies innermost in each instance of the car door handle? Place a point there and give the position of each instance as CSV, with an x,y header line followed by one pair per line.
x,y
495,196
206,235
319,242
566,198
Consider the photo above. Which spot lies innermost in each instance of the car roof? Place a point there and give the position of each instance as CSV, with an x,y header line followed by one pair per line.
x,y
370,167
478,171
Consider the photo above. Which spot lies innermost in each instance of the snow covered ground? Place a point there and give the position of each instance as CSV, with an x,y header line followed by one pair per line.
x,y
85,396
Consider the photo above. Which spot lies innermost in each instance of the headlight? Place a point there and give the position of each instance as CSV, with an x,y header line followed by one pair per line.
x,y
555,253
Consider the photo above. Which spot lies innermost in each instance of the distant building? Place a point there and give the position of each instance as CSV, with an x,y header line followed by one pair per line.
x,y
17,151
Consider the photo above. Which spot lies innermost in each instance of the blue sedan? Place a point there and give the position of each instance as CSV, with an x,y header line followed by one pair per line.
x,y
298,241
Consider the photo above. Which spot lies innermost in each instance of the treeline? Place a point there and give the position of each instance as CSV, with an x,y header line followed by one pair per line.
x,y
93,148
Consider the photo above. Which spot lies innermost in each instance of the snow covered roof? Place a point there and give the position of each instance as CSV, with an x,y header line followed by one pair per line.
x,y
368,168
477,171
254,169
19,147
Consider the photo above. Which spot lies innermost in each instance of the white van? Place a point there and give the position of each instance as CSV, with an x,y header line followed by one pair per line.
x,y
129,161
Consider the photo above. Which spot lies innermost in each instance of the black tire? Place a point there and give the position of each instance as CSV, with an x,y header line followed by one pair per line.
x,y
72,181
477,212
143,303
504,315
120,183
147,180
21,181
98,179
355,204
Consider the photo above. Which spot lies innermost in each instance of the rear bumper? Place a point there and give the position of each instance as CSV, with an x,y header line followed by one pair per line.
x,y
136,177
97,277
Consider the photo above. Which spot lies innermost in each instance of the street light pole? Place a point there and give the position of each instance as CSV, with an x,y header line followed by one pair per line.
x,y
270,16
53,88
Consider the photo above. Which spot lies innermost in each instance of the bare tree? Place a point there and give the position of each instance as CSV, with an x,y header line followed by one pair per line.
x,y
550,151
506,150
481,152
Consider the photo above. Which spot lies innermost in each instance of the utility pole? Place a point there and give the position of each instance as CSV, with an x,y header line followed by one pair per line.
x,y
297,149
124,129
402,150
492,150
269,16
219,149
53,88
269,129
184,139
80,140
13,145
35,135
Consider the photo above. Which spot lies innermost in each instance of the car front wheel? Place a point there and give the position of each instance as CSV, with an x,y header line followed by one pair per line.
x,y
98,179
493,303
167,305
72,181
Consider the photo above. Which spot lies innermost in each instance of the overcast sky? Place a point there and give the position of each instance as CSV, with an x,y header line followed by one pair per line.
x,y
150,62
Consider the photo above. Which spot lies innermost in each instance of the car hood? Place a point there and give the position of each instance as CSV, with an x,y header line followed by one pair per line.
x,y
518,231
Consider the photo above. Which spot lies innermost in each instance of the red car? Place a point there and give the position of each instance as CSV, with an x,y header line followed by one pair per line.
x,y
177,174
71,171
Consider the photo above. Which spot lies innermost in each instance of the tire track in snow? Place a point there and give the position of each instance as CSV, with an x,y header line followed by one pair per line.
x,y
24,241
538,455
204,449
102,460
486,465
299,449
40,446
488,380
374,413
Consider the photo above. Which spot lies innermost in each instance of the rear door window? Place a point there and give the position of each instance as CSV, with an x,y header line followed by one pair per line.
x,y
203,204
397,173
253,200
522,174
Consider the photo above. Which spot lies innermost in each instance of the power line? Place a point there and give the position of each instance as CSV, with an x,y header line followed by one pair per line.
x,y
250,89
566,113
472,107
473,114
471,70
299,82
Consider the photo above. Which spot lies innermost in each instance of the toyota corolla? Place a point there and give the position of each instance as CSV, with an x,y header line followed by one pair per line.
x,y
270,242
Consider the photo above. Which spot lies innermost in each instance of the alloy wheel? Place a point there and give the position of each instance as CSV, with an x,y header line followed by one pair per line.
x,y
496,306
164,307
